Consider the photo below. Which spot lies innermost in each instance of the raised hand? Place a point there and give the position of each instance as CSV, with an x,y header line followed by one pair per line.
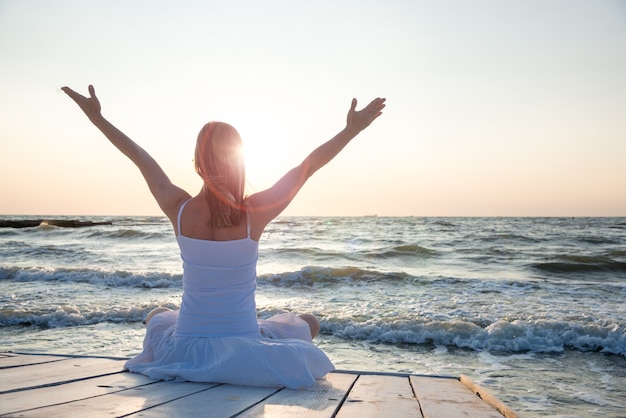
x,y
90,105
361,119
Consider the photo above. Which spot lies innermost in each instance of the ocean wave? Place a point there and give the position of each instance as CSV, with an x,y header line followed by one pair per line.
x,y
312,275
541,336
600,240
581,264
47,229
94,277
305,277
48,251
289,222
412,251
306,253
506,237
446,223
400,250
71,316
502,336
496,336
133,234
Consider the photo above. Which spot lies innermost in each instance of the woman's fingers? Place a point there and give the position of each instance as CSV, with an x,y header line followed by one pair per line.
x,y
77,97
89,105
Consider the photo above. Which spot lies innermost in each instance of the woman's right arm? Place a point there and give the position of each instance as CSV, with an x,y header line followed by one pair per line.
x,y
268,204
167,195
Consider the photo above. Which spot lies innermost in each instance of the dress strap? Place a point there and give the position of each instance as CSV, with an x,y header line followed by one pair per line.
x,y
180,212
248,223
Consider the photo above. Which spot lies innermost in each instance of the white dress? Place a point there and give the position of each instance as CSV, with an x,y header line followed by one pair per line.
x,y
216,336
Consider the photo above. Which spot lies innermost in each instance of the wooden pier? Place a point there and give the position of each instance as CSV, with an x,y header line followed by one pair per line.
x,y
39,385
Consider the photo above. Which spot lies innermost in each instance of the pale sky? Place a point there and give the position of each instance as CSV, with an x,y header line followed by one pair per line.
x,y
494,108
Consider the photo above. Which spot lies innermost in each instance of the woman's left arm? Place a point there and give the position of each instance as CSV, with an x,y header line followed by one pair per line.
x,y
168,196
269,203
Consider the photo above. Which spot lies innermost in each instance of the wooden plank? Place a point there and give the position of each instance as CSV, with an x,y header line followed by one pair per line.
x,y
13,402
449,398
20,360
378,396
488,397
46,386
220,401
321,400
121,403
19,378
6,354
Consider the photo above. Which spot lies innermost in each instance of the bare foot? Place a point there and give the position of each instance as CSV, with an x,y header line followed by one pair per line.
x,y
154,312
314,324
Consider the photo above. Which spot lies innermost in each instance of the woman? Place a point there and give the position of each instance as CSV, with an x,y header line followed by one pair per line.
x,y
215,336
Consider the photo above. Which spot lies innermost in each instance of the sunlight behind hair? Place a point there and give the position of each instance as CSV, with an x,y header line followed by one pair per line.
x,y
264,145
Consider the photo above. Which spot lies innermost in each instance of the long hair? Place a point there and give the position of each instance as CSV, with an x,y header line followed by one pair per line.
x,y
219,162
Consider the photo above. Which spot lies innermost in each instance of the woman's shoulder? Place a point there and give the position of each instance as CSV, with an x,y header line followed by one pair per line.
x,y
259,214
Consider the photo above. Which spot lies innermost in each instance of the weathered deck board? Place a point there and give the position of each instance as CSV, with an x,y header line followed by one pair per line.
x,y
230,400
123,402
319,401
65,370
7,361
64,386
373,395
51,395
439,398
487,397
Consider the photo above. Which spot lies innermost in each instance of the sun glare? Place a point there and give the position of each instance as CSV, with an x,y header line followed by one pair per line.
x,y
263,152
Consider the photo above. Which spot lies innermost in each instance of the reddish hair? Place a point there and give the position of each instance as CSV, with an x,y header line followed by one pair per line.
x,y
219,162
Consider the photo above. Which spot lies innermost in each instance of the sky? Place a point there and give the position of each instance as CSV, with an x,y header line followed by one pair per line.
x,y
494,108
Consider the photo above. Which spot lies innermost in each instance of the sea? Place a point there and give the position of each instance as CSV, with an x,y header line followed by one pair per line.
x,y
532,309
